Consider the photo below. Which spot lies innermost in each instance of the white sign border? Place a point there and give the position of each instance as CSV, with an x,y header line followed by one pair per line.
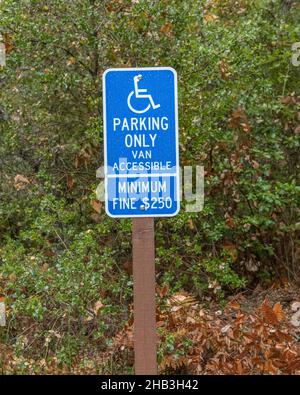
x,y
174,72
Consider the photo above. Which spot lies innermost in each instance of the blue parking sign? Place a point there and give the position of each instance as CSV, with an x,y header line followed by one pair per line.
x,y
140,112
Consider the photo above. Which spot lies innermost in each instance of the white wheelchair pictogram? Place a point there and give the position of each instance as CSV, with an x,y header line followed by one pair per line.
x,y
140,94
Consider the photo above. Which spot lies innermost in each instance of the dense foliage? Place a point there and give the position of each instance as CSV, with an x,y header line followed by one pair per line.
x,y
65,267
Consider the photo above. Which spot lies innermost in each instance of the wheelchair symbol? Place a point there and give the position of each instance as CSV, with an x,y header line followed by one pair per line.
x,y
140,94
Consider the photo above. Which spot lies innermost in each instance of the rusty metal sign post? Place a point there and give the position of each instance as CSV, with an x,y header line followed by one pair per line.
x,y
140,118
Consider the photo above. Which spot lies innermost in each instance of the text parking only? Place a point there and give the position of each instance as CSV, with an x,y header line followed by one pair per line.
x,y
141,142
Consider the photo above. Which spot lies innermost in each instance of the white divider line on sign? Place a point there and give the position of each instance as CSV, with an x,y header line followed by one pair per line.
x,y
142,175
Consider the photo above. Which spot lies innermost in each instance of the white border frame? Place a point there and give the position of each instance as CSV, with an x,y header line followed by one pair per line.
x,y
176,137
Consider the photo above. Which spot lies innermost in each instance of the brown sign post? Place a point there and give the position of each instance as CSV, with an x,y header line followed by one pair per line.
x,y
144,295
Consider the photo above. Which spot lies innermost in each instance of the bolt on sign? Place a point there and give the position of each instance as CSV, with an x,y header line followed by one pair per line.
x,y
141,142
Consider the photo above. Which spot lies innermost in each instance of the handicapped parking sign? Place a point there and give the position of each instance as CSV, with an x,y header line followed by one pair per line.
x,y
140,113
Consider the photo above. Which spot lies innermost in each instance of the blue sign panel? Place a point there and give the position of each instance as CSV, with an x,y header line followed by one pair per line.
x,y
141,142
